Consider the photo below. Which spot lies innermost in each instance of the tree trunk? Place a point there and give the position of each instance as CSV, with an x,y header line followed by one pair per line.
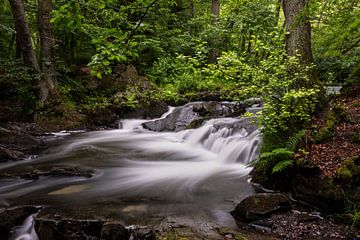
x,y
47,42
215,11
298,39
23,39
215,8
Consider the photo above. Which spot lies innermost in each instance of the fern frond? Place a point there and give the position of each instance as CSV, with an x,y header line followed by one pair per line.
x,y
263,163
294,140
281,166
281,153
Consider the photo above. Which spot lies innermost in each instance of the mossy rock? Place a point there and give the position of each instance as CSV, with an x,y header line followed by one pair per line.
x,y
236,235
326,132
349,173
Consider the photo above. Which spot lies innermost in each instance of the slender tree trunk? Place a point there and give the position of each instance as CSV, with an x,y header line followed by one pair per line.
x,y
277,12
48,82
298,39
215,11
23,39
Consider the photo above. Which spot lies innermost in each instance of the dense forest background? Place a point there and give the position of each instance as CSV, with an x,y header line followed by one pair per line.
x,y
63,60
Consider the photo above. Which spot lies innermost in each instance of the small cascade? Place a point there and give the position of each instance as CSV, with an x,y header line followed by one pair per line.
x,y
26,231
227,138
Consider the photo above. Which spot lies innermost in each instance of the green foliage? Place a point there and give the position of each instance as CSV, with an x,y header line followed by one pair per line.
x,y
336,37
356,220
17,86
280,158
294,141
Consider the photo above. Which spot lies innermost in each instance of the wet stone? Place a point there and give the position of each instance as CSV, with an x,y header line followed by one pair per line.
x,y
260,206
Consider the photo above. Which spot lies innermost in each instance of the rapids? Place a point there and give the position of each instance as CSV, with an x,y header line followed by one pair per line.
x,y
142,175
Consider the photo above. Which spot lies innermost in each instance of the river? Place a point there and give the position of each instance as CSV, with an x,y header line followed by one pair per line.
x,y
141,176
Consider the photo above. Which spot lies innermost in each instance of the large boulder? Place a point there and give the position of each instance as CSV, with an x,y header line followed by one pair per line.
x,y
310,185
260,206
114,231
15,143
192,115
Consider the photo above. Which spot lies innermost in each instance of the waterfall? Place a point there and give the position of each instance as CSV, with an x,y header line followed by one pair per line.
x,y
26,231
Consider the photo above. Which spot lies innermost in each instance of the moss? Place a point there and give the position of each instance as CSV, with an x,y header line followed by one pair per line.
x,y
238,236
195,124
327,131
349,173
177,233
356,220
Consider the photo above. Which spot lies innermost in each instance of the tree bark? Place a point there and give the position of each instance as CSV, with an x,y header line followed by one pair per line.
x,y
47,43
298,38
23,39
215,11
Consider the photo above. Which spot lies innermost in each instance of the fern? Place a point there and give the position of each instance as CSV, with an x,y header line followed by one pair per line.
x,y
268,159
280,158
294,141
281,166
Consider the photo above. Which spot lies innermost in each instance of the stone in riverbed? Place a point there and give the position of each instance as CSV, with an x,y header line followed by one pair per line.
x,y
7,154
114,231
192,114
143,234
260,206
51,229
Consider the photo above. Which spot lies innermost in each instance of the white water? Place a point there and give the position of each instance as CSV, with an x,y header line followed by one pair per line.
x,y
179,173
26,231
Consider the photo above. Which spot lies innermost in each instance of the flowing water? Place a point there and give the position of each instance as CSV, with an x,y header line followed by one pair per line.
x,y
141,176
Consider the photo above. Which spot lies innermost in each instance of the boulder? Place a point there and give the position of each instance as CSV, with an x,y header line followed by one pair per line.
x,y
310,185
16,136
142,110
143,234
192,115
7,154
260,206
114,231
52,229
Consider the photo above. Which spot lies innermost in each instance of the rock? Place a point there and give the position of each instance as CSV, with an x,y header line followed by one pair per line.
x,y
114,231
191,115
124,76
59,172
100,117
143,234
319,191
11,217
178,120
142,110
260,206
18,137
52,229
9,154
310,186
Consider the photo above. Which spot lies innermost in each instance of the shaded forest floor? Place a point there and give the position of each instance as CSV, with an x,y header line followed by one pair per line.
x,y
343,139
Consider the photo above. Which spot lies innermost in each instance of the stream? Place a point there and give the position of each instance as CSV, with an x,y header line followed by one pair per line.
x,y
141,177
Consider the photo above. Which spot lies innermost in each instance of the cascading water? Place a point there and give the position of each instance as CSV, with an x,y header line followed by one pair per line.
x,y
141,174
26,231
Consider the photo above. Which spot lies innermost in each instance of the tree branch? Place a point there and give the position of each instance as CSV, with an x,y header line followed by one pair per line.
x,y
131,34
